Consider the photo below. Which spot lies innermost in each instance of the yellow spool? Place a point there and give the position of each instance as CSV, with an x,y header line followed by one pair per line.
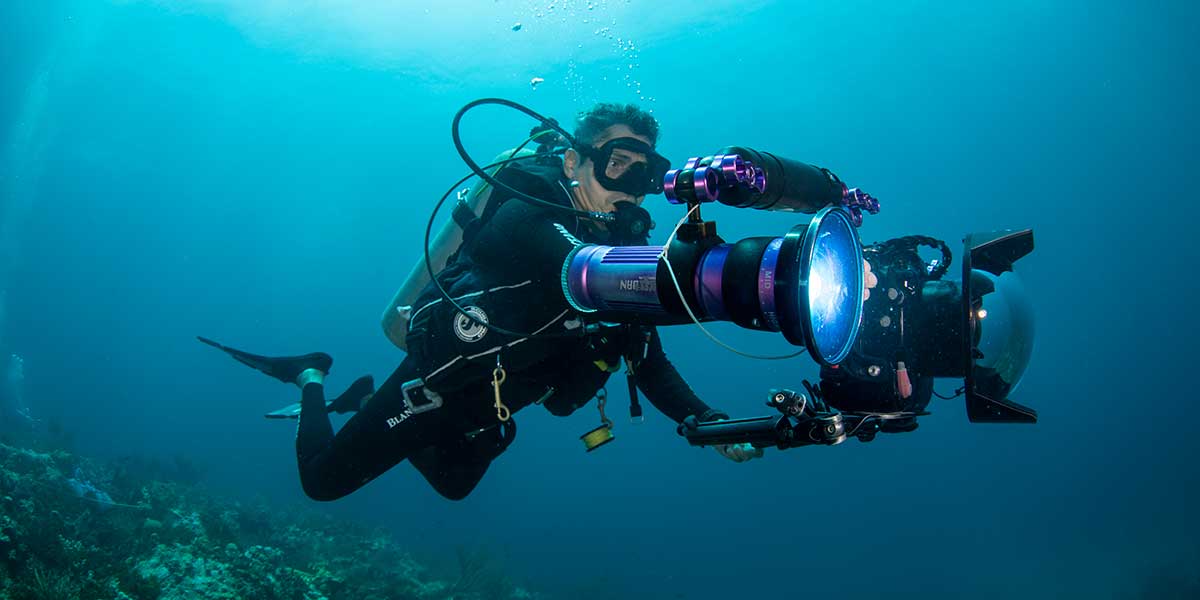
x,y
597,437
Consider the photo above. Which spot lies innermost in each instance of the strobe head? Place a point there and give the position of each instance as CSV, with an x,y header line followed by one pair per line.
x,y
819,286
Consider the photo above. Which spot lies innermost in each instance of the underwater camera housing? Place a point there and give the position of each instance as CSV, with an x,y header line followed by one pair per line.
x,y
918,326
994,301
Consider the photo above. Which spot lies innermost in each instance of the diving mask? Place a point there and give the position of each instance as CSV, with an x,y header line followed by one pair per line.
x,y
628,165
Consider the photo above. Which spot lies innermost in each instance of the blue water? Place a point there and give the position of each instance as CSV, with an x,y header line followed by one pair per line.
x,y
260,173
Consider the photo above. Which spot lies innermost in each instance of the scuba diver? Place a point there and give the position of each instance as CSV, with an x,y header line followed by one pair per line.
x,y
447,408
540,300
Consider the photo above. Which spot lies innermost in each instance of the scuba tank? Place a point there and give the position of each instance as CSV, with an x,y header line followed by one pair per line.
x,y
444,245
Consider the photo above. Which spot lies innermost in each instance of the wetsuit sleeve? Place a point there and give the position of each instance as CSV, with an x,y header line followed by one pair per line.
x,y
665,388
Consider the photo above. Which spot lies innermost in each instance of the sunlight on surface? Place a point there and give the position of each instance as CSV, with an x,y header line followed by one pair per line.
x,y
466,36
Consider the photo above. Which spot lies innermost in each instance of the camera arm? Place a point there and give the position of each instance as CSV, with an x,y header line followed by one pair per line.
x,y
804,420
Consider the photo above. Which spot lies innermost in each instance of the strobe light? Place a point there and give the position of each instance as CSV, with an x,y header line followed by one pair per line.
x,y
807,284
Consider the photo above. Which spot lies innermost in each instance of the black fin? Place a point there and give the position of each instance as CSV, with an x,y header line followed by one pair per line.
x,y
291,411
283,368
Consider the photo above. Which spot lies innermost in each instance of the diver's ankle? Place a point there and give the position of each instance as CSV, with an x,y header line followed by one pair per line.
x,y
308,376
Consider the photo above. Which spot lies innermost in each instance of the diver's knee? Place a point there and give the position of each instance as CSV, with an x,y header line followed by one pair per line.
x,y
321,493
455,494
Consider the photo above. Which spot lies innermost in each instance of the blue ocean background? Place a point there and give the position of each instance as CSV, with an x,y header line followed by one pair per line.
x,y
262,172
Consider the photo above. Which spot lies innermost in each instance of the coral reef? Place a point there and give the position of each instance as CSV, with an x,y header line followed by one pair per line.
x,y
77,528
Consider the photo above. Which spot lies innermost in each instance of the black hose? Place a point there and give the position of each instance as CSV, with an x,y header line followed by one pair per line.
x,y
495,183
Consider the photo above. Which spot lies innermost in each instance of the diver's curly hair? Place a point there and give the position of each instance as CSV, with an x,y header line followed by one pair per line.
x,y
592,122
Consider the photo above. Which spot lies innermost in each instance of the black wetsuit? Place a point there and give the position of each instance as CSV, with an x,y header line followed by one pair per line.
x,y
509,271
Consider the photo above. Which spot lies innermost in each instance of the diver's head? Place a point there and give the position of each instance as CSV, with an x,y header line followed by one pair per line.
x,y
614,158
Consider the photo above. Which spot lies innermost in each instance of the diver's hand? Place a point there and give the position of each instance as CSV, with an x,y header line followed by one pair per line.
x,y
738,453
869,280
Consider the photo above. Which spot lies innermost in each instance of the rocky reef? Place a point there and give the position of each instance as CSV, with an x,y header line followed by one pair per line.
x,y
72,527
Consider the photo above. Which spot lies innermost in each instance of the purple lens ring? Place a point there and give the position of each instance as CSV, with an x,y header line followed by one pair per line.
x,y
707,184
766,284
732,168
669,186
707,284
756,178
735,170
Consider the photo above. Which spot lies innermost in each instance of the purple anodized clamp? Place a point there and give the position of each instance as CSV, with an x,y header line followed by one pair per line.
x,y
735,170
710,175
856,201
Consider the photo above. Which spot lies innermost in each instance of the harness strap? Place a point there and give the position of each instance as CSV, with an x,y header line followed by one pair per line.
x,y
638,347
466,219
635,407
